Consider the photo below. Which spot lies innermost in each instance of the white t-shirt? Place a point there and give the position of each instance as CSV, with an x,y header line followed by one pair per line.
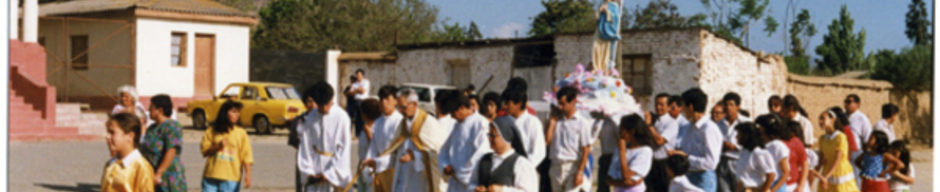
x,y
364,84
571,135
807,126
898,185
812,158
640,160
779,151
861,127
682,184
886,127
753,166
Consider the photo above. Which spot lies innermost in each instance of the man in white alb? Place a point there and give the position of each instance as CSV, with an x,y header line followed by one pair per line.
x,y
465,145
384,130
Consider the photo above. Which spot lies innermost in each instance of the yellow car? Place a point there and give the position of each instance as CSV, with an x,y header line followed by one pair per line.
x,y
266,105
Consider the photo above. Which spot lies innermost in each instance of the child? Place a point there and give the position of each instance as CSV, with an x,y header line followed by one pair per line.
x,y
128,170
774,134
837,173
227,151
873,161
901,179
678,166
634,157
755,166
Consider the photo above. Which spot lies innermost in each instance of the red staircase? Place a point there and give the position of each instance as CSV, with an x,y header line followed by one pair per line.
x,y
32,99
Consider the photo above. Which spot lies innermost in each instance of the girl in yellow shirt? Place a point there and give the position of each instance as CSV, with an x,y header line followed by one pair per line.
x,y
227,151
127,171
836,172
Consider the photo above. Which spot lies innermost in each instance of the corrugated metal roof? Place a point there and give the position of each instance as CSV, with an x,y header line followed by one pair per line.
x,y
183,6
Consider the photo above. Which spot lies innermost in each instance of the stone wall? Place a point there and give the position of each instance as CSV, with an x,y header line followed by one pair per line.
x,y
379,73
297,68
727,67
816,94
915,122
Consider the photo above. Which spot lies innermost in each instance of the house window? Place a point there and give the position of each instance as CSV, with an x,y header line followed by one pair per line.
x,y
79,46
178,50
636,71
536,55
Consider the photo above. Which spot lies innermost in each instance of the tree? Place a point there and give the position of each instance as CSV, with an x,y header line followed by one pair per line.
x,y
918,25
563,16
457,33
735,24
349,25
842,49
660,14
911,69
798,61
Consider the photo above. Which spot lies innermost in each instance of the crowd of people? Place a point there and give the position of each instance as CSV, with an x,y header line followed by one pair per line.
x,y
496,143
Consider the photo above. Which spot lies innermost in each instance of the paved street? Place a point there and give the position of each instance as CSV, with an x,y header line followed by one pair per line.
x,y
77,166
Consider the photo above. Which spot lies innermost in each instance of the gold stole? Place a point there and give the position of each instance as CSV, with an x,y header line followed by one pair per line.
x,y
415,136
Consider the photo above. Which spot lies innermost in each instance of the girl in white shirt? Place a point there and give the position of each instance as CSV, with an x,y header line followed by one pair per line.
x,y
755,166
902,179
774,131
634,156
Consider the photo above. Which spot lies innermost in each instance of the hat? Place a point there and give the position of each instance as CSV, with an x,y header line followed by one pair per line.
x,y
508,132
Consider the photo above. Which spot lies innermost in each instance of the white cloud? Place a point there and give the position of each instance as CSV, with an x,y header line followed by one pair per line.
x,y
508,30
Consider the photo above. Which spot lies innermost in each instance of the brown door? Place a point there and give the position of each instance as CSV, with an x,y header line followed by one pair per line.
x,y
205,66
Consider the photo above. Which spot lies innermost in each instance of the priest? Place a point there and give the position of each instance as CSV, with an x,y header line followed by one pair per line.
x,y
416,148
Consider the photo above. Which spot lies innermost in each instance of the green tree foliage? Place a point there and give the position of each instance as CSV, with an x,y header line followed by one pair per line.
x,y
802,28
842,49
911,69
564,16
350,25
733,19
456,32
918,25
660,14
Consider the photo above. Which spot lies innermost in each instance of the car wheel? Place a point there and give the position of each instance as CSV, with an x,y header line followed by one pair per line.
x,y
199,119
262,125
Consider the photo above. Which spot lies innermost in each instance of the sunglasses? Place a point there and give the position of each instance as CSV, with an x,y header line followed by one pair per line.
x,y
847,101
491,135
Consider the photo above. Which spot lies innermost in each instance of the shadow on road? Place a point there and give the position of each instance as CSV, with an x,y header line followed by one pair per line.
x,y
81,187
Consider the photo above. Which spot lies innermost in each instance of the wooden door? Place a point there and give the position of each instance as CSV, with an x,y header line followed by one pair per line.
x,y
204,71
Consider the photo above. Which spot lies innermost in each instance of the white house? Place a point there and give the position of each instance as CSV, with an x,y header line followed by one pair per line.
x,y
188,49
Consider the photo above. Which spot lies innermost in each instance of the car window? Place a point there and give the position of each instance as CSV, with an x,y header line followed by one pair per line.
x,y
282,92
424,94
232,92
249,93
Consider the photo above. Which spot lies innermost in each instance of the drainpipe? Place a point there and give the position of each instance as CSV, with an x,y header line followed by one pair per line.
x,y
30,20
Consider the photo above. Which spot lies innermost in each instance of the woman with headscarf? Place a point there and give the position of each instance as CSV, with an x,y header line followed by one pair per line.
x,y
506,167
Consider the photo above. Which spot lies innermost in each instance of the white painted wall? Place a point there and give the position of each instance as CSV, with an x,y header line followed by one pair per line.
x,y
155,75
14,19
30,20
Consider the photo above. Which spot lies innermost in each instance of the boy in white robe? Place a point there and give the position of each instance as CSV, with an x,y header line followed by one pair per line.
x,y
530,127
325,141
384,132
465,145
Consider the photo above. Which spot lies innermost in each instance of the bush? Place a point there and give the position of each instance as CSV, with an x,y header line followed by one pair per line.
x,y
911,69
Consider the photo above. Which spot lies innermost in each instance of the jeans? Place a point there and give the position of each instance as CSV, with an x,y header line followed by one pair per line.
x,y
703,179
215,185
782,188
352,108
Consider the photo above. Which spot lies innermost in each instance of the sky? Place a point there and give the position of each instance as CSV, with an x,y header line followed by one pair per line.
x,y
882,20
